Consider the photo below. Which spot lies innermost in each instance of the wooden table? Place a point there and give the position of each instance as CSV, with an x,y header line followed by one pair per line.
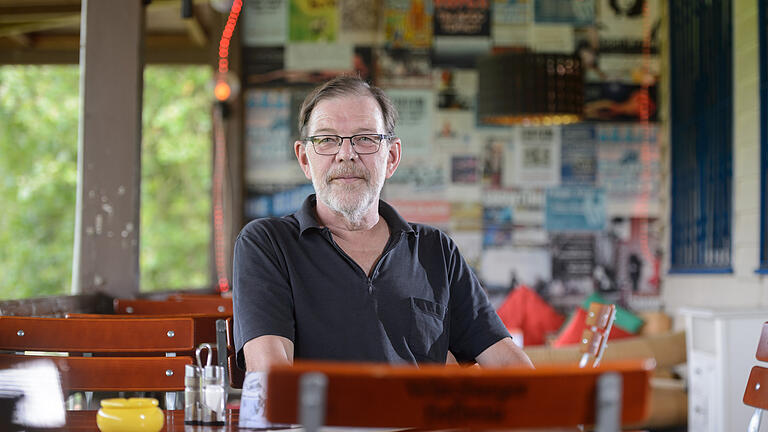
x,y
85,421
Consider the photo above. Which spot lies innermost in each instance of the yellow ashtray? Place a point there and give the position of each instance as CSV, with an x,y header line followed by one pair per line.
x,y
129,415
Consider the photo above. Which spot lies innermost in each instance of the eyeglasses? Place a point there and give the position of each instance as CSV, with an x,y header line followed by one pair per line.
x,y
331,144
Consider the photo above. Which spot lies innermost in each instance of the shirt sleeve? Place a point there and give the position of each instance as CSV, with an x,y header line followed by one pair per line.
x,y
262,297
474,324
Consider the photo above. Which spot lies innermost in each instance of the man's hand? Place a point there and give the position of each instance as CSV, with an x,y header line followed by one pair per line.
x,y
265,351
504,353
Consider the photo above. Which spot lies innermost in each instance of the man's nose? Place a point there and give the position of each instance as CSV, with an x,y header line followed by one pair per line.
x,y
347,150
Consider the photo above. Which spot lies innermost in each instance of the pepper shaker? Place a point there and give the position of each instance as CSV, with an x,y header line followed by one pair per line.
x,y
192,406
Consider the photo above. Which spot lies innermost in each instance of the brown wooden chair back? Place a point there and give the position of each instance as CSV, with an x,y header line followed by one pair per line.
x,y
174,305
122,354
225,343
367,395
756,392
204,324
594,339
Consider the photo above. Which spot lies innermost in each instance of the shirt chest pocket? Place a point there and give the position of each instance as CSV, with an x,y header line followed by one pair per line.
x,y
427,337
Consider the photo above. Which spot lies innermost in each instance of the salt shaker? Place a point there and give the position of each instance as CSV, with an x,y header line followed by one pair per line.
x,y
192,406
214,396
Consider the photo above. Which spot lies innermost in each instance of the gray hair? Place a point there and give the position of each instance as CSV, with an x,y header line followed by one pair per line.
x,y
347,85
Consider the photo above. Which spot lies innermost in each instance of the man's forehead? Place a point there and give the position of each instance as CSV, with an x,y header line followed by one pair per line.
x,y
358,110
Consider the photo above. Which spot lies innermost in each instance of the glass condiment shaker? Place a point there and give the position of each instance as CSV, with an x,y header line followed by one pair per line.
x,y
192,404
214,396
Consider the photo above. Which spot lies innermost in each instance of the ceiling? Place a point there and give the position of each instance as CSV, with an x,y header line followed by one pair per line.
x,y
48,31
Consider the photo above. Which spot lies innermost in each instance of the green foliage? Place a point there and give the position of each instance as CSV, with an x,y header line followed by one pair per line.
x,y
176,178
38,178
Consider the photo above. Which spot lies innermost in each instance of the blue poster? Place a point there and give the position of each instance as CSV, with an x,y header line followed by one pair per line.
x,y
578,155
576,12
575,209
281,203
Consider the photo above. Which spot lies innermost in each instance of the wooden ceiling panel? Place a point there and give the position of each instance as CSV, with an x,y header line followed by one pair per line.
x,y
43,31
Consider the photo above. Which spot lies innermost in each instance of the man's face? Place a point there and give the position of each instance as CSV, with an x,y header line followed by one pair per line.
x,y
348,183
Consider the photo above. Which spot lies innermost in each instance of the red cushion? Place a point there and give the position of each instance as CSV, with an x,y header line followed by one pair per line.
x,y
572,331
523,309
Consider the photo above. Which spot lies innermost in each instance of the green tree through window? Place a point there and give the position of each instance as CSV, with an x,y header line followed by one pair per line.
x,y
38,178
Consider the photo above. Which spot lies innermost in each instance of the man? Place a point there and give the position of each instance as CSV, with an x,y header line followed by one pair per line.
x,y
345,277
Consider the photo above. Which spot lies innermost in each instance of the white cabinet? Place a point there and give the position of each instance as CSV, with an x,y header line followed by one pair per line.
x,y
721,345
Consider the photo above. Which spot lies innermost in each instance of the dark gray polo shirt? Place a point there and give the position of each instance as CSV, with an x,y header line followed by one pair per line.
x,y
422,299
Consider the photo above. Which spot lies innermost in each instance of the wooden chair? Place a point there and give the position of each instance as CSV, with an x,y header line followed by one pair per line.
x,y
433,397
105,354
174,305
599,322
225,347
756,392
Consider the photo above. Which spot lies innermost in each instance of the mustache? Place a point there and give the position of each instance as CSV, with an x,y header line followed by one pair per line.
x,y
346,171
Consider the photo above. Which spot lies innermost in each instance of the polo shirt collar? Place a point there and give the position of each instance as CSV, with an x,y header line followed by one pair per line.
x,y
306,216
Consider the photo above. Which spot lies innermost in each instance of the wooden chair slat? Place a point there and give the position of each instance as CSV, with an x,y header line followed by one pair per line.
x,y
599,322
591,342
756,392
599,314
236,375
230,334
440,397
113,373
204,324
96,335
182,305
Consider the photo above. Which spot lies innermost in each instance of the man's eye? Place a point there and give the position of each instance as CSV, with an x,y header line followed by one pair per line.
x,y
365,139
326,140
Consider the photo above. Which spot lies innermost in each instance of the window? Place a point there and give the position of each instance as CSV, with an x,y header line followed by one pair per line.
x,y
39,108
701,121
763,31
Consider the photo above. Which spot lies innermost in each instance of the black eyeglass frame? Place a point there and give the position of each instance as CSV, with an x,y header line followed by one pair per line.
x,y
351,138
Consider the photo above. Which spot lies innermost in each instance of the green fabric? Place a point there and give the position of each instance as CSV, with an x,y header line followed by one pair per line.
x,y
624,318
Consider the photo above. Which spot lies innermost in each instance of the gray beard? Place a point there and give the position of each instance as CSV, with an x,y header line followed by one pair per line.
x,y
353,211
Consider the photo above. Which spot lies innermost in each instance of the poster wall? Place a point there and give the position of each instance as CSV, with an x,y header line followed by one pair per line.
x,y
566,209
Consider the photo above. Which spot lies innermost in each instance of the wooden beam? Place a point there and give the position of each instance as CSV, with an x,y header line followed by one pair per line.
x,y
38,25
22,40
106,253
28,13
196,31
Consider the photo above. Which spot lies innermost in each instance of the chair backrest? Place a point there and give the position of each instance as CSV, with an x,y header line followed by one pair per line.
x,y
225,344
347,394
204,324
122,354
174,305
756,392
599,322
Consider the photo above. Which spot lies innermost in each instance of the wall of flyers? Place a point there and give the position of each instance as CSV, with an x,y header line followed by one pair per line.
x,y
569,210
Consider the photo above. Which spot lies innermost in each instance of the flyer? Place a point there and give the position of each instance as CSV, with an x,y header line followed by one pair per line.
x,y
311,20
408,23
265,22
269,148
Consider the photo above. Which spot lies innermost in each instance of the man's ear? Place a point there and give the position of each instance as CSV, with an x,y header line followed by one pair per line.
x,y
394,152
301,156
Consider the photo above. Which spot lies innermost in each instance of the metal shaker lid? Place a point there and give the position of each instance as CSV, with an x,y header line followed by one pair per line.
x,y
191,371
213,374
